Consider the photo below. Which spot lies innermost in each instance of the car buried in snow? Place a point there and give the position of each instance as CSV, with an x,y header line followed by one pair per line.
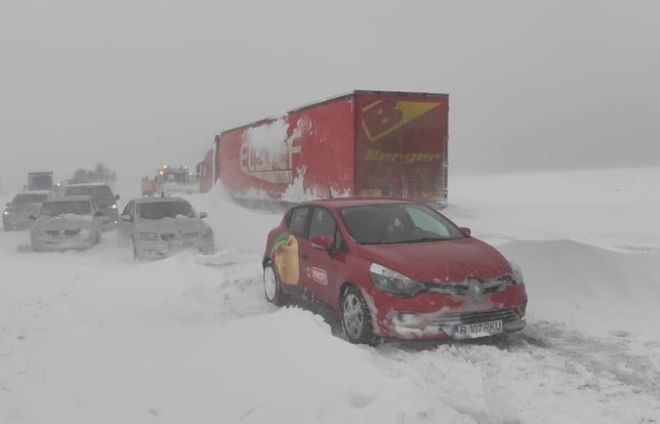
x,y
68,222
17,214
392,269
154,228
104,200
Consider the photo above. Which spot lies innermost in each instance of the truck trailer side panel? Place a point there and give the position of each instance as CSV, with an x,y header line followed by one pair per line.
x,y
306,154
401,145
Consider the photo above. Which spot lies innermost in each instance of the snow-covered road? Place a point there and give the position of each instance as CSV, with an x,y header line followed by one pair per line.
x,y
92,337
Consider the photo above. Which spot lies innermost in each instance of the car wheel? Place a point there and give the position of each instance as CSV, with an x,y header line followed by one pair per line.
x,y
356,317
272,286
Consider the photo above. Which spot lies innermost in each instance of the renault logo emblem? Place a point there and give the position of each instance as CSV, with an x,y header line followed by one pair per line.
x,y
475,290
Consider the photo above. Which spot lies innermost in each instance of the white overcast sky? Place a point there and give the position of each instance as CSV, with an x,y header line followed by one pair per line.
x,y
532,84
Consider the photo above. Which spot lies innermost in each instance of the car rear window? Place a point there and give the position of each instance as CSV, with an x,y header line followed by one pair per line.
x,y
79,207
25,198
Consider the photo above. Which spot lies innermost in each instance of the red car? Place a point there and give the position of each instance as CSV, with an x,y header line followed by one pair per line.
x,y
393,269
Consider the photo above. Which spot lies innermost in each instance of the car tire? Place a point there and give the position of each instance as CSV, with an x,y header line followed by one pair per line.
x,y
356,317
273,286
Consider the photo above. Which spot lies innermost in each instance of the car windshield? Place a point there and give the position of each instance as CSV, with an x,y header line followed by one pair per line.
x,y
25,198
160,210
98,192
78,207
397,223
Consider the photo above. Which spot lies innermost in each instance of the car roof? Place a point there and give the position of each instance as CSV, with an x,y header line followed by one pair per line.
x,y
343,202
87,184
141,200
69,199
33,192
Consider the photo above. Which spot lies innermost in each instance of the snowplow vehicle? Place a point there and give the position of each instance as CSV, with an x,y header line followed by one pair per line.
x,y
170,180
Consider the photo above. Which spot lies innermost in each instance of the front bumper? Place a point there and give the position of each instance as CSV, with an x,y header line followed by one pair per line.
x,y
432,316
157,249
79,241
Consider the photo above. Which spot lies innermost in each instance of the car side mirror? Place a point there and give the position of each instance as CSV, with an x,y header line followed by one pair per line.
x,y
32,218
127,218
203,214
465,231
323,242
116,197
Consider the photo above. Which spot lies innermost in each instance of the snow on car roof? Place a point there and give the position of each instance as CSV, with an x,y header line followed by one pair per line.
x,y
69,199
87,184
158,199
341,202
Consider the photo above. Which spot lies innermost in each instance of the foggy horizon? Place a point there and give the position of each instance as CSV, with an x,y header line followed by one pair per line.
x,y
531,86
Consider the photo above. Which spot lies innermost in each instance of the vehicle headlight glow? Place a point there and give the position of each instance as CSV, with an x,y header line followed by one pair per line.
x,y
5,213
148,236
114,206
390,281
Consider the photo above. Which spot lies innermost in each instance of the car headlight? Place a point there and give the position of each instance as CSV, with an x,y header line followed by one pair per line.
x,y
114,206
517,273
5,213
148,236
390,281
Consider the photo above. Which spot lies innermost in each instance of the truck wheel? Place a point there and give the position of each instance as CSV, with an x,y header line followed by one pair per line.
x,y
272,286
356,317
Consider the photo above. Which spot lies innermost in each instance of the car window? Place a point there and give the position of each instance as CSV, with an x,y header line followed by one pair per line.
x,y
80,207
25,198
98,192
397,223
298,221
322,223
165,209
428,222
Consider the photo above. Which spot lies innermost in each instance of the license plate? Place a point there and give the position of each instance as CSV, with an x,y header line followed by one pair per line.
x,y
478,329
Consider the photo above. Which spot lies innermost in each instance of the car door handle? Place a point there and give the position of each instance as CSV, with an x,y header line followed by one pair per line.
x,y
304,256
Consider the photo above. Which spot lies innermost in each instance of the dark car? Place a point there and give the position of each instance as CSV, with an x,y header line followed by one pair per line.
x,y
393,269
104,201
17,214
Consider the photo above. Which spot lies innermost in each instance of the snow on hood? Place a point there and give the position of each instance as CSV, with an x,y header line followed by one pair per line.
x,y
180,223
449,260
69,220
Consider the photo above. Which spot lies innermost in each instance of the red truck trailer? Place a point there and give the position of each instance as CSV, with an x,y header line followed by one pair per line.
x,y
205,172
366,143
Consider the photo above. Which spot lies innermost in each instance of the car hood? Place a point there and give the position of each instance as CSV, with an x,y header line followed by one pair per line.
x,y
440,261
171,225
63,222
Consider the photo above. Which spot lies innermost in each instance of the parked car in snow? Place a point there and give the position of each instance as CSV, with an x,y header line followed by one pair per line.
x,y
393,269
104,200
68,222
158,227
17,214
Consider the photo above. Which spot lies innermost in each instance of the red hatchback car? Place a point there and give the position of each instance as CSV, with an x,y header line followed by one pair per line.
x,y
393,269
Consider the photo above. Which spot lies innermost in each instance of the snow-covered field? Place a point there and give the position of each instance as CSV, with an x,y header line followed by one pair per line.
x,y
91,337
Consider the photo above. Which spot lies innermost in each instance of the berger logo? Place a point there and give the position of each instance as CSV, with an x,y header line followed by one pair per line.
x,y
383,117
